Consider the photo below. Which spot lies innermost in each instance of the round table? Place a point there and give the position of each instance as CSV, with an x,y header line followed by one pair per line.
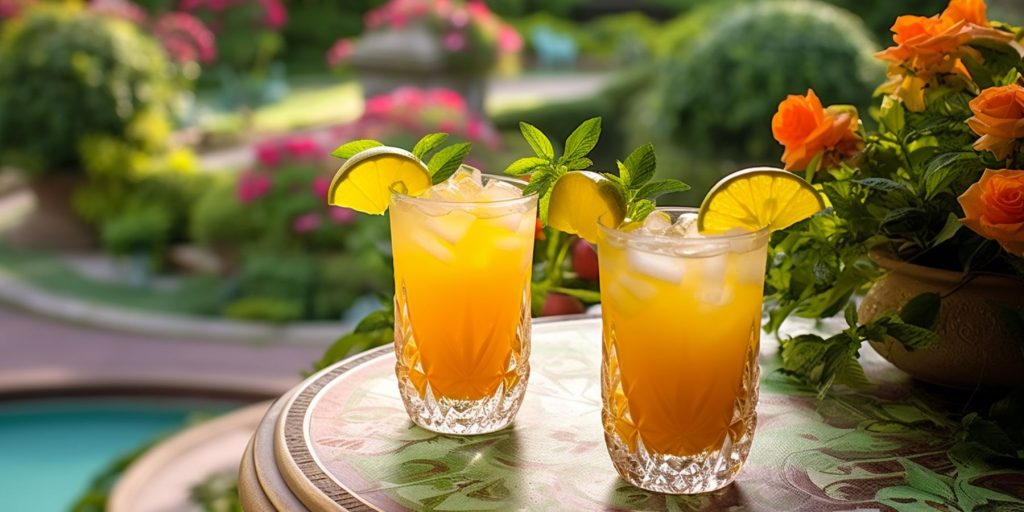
x,y
342,441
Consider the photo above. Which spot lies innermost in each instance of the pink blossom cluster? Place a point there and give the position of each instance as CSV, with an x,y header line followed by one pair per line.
x,y
184,37
272,155
275,15
340,52
456,18
415,112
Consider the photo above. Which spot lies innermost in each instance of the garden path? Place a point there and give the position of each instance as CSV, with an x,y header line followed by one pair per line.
x,y
37,352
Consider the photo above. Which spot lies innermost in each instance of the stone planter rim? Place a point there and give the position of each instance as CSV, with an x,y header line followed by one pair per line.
x,y
886,259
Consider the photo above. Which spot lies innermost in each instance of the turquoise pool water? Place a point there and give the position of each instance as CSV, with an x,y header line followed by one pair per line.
x,y
50,449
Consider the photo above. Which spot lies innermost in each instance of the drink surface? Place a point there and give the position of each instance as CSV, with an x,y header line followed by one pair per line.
x,y
681,320
462,255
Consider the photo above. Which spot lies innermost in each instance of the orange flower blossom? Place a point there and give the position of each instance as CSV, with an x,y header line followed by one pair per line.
x,y
998,119
928,47
994,208
807,129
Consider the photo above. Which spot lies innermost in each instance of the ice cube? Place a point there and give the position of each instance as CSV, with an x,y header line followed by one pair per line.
x,y
657,222
450,227
659,266
713,289
684,226
496,190
435,246
635,286
750,266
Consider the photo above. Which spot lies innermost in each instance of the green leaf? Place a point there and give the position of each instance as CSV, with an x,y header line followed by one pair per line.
x,y
946,168
624,175
445,162
641,164
590,296
655,189
926,480
580,164
922,310
383,319
850,315
640,209
911,336
428,143
893,117
525,165
949,230
541,183
582,140
849,372
351,149
539,142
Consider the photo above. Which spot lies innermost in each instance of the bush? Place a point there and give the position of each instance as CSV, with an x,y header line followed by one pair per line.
x,y
717,97
69,77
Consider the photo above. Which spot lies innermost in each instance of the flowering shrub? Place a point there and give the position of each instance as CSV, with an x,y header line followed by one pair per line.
x,y
947,154
184,37
247,31
469,33
404,115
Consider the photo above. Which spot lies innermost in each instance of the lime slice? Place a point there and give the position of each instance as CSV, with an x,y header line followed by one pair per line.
x,y
753,199
580,199
364,182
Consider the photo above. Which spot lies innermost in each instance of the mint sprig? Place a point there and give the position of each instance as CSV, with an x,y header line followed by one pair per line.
x,y
635,182
444,162
544,169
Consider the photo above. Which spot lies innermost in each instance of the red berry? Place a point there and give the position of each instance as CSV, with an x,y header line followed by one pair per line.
x,y
558,304
584,261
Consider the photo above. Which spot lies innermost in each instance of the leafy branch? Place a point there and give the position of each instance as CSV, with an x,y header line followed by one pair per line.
x,y
444,162
375,329
823,362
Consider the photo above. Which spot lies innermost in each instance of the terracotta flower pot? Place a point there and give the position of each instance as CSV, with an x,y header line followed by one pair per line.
x,y
976,349
53,223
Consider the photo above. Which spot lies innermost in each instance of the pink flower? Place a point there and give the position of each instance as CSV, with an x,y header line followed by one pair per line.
x,y
302,148
276,14
459,18
120,9
509,40
321,187
342,216
252,186
306,222
447,98
454,41
378,105
268,154
340,52
186,38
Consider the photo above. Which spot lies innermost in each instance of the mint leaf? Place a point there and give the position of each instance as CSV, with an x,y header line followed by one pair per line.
x,y
351,149
541,183
641,164
428,143
911,336
582,140
639,210
655,189
624,175
525,165
922,310
537,140
445,162
579,164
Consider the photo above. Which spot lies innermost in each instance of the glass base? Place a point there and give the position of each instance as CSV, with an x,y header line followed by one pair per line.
x,y
463,417
673,474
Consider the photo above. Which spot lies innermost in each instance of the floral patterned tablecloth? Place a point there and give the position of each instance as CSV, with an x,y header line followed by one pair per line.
x,y
893,447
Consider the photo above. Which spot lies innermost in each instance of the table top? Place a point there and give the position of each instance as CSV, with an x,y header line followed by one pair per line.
x,y
342,441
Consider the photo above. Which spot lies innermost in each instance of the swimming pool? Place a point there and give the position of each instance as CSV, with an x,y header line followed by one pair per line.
x,y
50,449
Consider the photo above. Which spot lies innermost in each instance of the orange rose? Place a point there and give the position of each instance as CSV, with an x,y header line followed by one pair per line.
x,y
999,119
806,129
929,47
994,208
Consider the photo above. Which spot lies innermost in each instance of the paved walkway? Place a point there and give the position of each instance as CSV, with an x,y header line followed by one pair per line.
x,y
37,352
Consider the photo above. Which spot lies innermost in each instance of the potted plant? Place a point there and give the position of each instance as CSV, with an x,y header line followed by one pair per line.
x,y
927,212
428,43
80,92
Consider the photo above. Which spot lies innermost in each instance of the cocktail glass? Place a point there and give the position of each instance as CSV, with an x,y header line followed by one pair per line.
x,y
462,307
679,377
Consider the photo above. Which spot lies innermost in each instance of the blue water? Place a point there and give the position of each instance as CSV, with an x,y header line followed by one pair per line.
x,y
51,449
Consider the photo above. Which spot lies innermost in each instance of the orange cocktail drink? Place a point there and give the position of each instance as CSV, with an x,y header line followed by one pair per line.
x,y
463,252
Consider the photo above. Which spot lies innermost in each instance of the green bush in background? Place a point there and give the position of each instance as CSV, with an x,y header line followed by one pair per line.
x,y
714,96
68,77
